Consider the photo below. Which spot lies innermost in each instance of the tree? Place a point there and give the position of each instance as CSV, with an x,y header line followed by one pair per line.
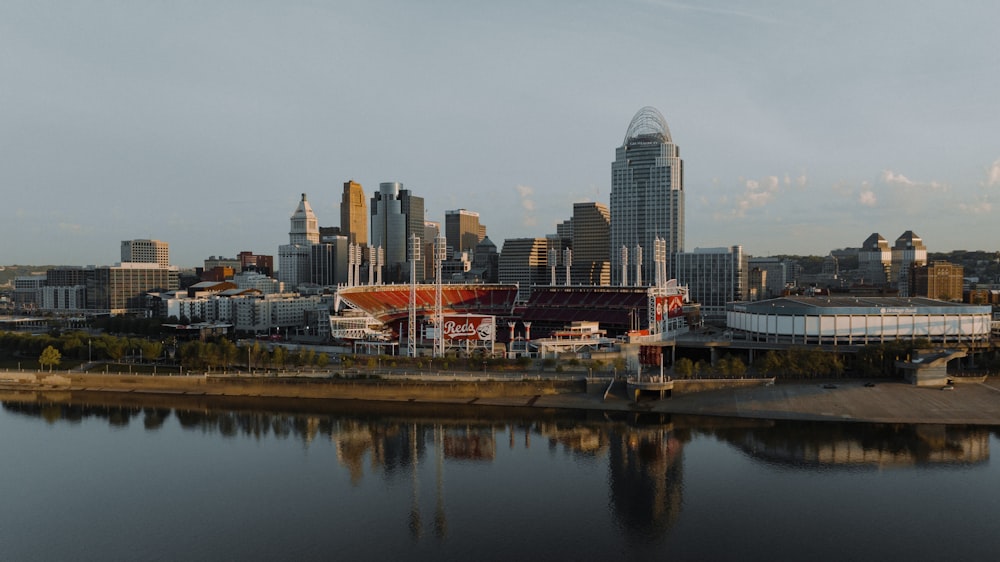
x,y
151,350
50,357
684,367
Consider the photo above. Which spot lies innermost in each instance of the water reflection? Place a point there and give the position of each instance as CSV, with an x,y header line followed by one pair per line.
x,y
881,446
419,445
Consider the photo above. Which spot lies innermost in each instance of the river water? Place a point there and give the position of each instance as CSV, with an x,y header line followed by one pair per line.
x,y
99,478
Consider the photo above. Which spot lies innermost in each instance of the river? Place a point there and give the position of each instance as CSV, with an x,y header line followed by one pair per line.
x,y
96,477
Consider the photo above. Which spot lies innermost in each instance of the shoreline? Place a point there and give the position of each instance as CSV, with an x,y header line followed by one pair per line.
x,y
888,401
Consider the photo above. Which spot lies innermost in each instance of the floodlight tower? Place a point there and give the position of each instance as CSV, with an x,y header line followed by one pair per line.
x,y
411,339
440,254
567,262
553,262
357,263
638,265
660,260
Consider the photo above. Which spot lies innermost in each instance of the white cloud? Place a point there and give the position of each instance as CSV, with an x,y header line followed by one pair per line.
x,y
867,198
890,177
526,194
757,193
993,174
981,206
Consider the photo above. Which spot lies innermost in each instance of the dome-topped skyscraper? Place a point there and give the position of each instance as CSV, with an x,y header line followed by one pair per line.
x,y
647,197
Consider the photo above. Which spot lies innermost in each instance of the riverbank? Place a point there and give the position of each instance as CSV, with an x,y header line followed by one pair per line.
x,y
969,403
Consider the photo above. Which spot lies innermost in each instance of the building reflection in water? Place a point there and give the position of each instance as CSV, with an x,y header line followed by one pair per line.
x,y
880,446
644,457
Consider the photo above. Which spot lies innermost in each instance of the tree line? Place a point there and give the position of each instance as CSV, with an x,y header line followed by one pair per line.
x,y
79,347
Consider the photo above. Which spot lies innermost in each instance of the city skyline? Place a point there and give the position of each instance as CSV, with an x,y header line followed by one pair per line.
x,y
803,128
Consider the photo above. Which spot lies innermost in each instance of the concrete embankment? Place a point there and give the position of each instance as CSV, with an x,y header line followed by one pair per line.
x,y
294,387
971,403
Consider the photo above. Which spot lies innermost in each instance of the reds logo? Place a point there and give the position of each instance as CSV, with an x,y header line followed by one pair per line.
x,y
468,329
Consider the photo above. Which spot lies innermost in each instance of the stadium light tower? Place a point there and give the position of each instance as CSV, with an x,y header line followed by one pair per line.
x,y
411,339
440,254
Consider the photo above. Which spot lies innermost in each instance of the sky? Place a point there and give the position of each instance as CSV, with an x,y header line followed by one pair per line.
x,y
804,126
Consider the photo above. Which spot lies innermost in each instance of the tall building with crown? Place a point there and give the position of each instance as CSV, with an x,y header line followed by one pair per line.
x,y
294,258
647,198
354,214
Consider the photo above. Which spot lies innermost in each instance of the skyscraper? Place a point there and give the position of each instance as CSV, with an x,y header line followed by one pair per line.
x,y
462,229
523,261
591,258
714,277
354,214
146,251
875,260
396,216
304,227
647,196
293,258
907,252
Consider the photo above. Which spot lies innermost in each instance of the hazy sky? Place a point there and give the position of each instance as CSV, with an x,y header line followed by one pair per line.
x,y
804,126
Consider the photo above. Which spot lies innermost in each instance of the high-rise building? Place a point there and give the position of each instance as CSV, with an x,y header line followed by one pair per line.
x,y
122,288
647,196
293,258
773,276
304,226
486,261
432,229
462,230
591,244
328,261
714,277
146,251
907,252
938,280
354,214
397,215
875,260
523,261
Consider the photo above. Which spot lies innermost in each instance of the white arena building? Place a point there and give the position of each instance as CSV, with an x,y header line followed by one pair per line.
x,y
848,320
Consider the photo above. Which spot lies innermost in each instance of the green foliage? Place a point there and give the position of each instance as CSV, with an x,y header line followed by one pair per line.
x,y
730,366
50,358
151,350
684,368
279,357
322,360
800,362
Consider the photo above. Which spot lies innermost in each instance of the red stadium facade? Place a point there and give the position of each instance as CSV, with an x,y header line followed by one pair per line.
x,y
619,310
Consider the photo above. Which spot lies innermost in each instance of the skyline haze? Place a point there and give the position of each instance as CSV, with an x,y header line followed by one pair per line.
x,y
804,127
